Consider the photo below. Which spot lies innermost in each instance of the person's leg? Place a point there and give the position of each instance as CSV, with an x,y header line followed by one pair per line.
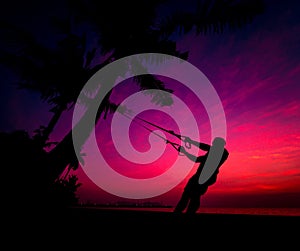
x,y
183,202
194,205
186,195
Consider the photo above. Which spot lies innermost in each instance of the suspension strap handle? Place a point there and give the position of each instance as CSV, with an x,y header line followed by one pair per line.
x,y
187,144
176,147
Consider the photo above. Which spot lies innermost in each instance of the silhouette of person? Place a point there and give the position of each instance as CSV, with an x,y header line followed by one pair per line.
x,y
194,189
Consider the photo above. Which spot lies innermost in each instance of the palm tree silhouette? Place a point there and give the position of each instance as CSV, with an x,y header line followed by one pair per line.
x,y
59,73
142,31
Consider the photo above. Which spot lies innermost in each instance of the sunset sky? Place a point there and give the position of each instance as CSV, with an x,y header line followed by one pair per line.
x,y
256,74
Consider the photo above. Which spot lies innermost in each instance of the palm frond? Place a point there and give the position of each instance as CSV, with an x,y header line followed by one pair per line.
x,y
211,17
150,84
13,37
216,16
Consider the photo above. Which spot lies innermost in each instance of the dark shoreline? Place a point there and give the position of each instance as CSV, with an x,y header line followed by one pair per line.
x,y
168,220
93,225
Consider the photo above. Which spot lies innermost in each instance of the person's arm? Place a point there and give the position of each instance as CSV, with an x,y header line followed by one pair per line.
x,y
202,146
189,155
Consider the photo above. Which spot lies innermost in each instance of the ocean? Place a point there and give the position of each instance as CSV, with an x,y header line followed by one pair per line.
x,y
249,211
253,211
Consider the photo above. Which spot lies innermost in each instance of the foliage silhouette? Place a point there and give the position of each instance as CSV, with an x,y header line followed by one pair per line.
x,y
29,182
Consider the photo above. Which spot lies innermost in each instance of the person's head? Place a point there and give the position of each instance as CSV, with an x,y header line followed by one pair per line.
x,y
218,141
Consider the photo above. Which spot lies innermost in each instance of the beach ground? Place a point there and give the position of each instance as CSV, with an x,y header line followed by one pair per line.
x,y
123,228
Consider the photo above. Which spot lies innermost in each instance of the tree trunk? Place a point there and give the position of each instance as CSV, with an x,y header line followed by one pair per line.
x,y
49,129
64,153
